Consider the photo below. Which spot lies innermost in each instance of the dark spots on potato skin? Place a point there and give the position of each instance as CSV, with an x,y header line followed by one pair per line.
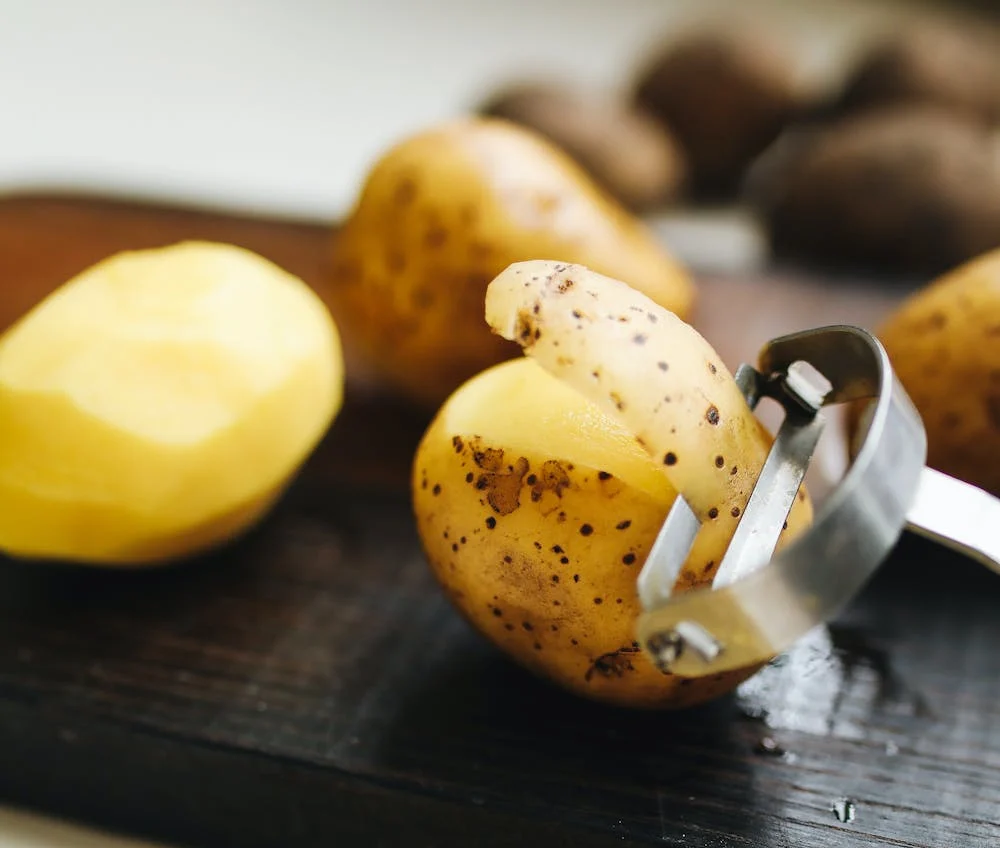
x,y
708,567
616,399
469,477
735,512
720,461
436,490
934,321
629,558
557,549
508,626
612,664
670,458
551,478
491,522
537,646
501,481
993,411
586,529
662,366
564,560
713,513
498,612
527,625
458,444
435,238
639,339
603,475
712,416
598,601
951,420
712,368
395,262
405,193
623,525
576,578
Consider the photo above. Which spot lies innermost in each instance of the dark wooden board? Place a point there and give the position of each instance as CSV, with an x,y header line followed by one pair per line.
x,y
310,685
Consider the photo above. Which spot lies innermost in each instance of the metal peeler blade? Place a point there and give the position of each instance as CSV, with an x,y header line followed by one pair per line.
x,y
760,603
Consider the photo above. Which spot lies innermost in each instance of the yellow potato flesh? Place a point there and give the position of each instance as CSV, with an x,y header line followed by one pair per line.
x,y
536,511
158,403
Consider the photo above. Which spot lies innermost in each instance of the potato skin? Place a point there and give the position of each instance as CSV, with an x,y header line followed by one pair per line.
x,y
540,553
944,344
911,189
625,149
726,95
952,67
651,372
439,215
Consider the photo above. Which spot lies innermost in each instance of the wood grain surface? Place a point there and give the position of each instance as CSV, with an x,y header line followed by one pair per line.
x,y
310,684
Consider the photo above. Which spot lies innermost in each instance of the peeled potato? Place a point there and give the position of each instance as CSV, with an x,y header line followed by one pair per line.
x,y
541,485
158,403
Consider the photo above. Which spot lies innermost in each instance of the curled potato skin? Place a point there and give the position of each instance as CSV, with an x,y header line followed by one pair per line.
x,y
648,369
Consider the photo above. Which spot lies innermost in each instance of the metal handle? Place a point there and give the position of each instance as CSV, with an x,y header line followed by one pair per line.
x,y
958,515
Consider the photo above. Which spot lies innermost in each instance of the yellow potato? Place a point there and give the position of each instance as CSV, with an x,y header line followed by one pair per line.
x,y
158,403
944,344
537,505
441,214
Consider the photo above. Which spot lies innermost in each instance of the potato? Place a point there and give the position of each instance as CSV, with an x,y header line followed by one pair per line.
x,y
538,495
952,67
911,189
944,344
622,147
443,212
726,95
158,403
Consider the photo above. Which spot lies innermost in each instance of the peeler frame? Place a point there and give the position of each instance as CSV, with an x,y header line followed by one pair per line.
x,y
767,607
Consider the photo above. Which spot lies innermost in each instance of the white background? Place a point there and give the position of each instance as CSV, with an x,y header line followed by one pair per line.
x,y
281,105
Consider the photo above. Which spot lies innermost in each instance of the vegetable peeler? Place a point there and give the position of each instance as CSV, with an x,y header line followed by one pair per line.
x,y
760,601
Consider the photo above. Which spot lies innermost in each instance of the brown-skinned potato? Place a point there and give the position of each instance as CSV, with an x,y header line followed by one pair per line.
x,y
623,147
443,212
726,95
953,67
539,488
908,189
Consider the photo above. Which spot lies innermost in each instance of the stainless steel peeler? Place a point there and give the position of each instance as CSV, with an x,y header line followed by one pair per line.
x,y
761,602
